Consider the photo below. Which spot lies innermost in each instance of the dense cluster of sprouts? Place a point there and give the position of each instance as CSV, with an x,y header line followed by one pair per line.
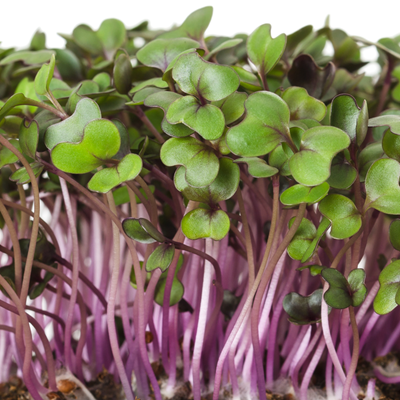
x,y
212,210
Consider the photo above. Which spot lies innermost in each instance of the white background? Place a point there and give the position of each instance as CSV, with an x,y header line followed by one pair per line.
x,y
20,19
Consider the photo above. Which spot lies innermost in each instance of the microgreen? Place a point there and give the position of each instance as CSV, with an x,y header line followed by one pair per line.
x,y
169,206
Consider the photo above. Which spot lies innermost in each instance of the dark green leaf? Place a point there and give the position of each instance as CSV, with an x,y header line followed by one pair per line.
x,y
142,230
161,257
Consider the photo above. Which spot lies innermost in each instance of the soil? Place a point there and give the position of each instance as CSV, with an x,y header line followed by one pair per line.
x,y
104,387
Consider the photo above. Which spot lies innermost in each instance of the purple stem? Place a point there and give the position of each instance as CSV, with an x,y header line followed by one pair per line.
x,y
311,368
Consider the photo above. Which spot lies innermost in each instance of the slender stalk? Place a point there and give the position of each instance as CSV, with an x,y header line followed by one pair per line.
x,y
35,225
386,85
16,247
152,200
268,272
143,117
24,217
26,368
354,358
247,235
111,305
201,324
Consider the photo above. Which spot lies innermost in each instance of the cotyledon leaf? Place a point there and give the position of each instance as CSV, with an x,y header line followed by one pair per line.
x,y
199,160
311,165
260,132
298,194
71,129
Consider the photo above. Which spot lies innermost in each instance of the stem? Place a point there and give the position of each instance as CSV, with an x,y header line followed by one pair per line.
x,y
143,117
111,305
247,235
152,200
75,275
246,307
201,324
24,217
386,85
16,247
354,358
35,224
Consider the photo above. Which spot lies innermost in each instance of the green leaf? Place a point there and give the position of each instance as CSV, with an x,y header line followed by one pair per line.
x,y
367,157
112,34
341,211
199,160
264,51
177,291
343,174
29,138
394,234
101,141
346,115
391,121
311,165
27,88
222,188
298,194
232,106
228,44
7,156
388,296
157,82
391,145
260,132
21,176
44,76
87,40
160,53
203,79
279,158
16,100
106,179
307,74
382,186
302,239
257,167
123,74
28,57
207,120
71,129
302,106
194,25
38,289
322,228
342,293
202,223
247,79
161,257
163,100
314,269
303,310
142,230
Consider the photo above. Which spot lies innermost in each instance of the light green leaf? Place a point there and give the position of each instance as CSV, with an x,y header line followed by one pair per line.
x,y
202,223
311,165
260,132
203,79
298,194
207,120
264,51
106,179
44,76
341,211
257,167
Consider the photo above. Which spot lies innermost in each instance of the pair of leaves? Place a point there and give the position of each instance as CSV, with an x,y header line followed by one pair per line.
x,y
204,82
343,292
143,231
306,239
200,162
